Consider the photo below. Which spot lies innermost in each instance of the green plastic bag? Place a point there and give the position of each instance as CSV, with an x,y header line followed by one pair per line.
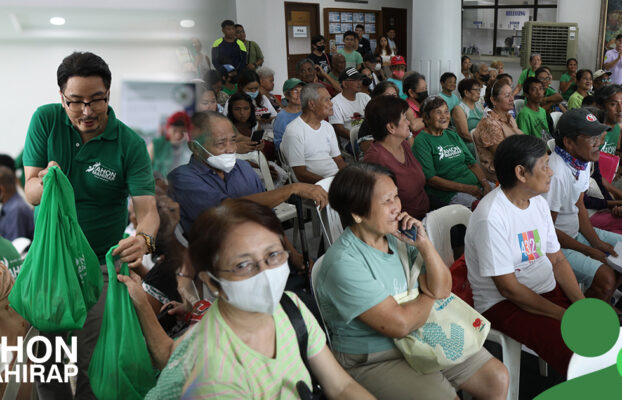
x,y
121,365
60,279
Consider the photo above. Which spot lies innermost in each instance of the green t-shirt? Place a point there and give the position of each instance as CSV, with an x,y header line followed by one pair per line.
x,y
451,101
532,122
212,362
566,78
230,92
352,59
10,257
575,101
525,74
355,277
445,156
549,92
612,137
103,172
254,52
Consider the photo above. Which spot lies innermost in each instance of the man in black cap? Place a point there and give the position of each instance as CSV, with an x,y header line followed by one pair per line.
x,y
349,105
577,141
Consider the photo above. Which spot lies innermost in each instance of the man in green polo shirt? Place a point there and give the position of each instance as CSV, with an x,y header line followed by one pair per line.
x,y
106,162
535,61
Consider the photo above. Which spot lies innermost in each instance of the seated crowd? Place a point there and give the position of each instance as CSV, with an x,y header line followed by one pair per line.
x,y
394,153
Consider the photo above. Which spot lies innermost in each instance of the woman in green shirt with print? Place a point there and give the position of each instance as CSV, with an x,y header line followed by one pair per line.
x,y
584,87
451,172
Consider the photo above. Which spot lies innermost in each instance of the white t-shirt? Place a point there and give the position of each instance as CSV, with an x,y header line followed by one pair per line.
x,y
503,239
564,193
349,113
315,149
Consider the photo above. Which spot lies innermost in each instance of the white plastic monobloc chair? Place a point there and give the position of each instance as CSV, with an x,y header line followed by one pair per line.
x,y
354,135
518,105
283,211
21,244
314,273
438,224
555,115
551,145
329,218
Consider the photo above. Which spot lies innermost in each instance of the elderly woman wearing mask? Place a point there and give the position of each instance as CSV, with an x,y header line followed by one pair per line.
x,y
359,276
244,345
498,125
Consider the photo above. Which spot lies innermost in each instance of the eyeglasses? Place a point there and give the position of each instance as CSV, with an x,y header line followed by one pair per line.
x,y
251,267
79,106
605,80
477,90
592,140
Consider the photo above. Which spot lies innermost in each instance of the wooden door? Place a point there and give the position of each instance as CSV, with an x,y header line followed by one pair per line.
x,y
302,21
397,18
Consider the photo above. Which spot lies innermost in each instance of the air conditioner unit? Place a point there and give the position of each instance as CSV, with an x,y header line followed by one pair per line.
x,y
555,42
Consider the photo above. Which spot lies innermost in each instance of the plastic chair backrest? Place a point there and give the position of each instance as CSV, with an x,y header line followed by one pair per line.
x,y
314,273
258,158
179,235
331,223
555,115
286,166
354,136
579,365
518,105
551,145
21,244
438,226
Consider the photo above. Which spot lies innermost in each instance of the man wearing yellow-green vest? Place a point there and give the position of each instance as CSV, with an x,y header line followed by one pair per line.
x,y
229,49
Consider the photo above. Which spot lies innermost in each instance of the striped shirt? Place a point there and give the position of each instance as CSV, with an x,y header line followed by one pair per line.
x,y
213,362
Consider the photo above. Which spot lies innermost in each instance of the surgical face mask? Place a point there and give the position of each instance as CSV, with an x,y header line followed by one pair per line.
x,y
398,75
321,48
224,162
260,293
377,67
421,96
485,78
253,95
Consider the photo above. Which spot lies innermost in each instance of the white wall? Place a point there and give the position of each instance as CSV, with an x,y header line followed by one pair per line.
x,y
587,14
29,78
264,23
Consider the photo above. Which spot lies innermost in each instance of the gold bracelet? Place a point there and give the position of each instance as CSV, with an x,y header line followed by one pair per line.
x,y
148,240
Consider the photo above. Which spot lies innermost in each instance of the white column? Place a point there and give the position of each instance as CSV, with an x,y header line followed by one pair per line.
x,y
436,40
587,14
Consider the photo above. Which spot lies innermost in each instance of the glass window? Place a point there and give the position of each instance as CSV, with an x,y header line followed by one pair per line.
x,y
547,14
516,3
477,31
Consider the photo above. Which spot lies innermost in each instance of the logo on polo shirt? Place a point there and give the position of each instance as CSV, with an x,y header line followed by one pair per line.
x,y
448,152
102,172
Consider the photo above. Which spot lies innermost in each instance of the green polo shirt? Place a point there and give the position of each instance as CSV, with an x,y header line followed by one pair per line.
x,y
532,122
103,172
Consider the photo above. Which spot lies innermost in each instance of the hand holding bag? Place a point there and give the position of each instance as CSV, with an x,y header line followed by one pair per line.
x,y
453,332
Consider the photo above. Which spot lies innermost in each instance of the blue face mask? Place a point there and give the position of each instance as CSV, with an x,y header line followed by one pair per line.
x,y
253,95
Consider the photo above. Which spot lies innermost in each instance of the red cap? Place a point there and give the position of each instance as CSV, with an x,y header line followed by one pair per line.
x,y
179,118
397,60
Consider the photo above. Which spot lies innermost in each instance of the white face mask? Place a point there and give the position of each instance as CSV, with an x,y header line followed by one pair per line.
x,y
261,293
224,162
378,67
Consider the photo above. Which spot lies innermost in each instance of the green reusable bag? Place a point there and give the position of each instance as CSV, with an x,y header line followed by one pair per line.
x,y
60,279
121,365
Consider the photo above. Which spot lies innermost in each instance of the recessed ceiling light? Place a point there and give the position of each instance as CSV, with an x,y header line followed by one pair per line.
x,y
187,23
57,21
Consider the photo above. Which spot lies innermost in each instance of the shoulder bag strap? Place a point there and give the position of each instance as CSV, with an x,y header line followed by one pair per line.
x,y
412,273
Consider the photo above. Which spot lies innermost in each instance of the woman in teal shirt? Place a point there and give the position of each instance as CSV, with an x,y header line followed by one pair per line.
x,y
356,282
468,112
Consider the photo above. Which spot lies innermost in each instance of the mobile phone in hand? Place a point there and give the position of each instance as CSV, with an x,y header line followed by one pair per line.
x,y
265,116
410,233
257,135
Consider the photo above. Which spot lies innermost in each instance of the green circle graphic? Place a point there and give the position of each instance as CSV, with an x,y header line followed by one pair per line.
x,y
590,327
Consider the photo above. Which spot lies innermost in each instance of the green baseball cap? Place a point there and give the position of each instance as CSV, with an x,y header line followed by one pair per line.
x,y
291,83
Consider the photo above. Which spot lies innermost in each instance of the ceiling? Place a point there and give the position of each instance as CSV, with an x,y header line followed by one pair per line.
x,y
105,20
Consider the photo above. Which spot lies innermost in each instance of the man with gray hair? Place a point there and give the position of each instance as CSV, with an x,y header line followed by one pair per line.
x,y
214,174
309,142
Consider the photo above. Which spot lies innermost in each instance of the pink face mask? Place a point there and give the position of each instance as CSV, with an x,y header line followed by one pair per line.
x,y
398,75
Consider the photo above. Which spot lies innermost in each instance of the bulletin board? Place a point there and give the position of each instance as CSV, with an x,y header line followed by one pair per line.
x,y
337,21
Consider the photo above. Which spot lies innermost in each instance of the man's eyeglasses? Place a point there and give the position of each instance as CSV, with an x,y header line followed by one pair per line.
x,y
251,267
79,106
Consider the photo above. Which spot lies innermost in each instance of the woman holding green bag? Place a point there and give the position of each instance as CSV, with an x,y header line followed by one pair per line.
x,y
244,346
359,277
